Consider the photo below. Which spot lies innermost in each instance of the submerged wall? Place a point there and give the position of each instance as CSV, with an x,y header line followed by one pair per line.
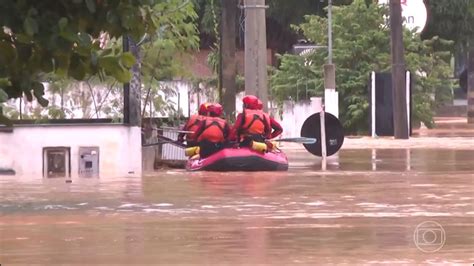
x,y
118,147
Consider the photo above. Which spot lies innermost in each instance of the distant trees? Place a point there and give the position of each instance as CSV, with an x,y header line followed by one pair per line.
x,y
454,20
361,45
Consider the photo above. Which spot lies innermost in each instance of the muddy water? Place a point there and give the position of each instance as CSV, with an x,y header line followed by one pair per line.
x,y
364,209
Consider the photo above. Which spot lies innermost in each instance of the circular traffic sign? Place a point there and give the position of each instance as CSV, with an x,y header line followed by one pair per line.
x,y
334,133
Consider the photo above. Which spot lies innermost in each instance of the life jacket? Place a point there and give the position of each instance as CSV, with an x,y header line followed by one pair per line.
x,y
213,130
255,122
193,125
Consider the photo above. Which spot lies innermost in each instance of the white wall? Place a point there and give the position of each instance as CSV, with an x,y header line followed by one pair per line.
x,y
294,115
120,150
181,91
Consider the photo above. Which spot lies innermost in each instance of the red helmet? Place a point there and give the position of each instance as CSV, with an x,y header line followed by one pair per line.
x,y
203,109
259,105
215,109
250,102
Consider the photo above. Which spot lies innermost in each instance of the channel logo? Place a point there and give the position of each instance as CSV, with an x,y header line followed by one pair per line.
x,y
429,236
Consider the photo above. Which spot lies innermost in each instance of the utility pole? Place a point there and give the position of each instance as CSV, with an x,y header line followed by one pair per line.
x,y
256,50
132,90
331,96
228,71
470,85
126,86
329,31
398,72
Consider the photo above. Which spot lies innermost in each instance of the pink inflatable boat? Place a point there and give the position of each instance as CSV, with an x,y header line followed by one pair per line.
x,y
240,159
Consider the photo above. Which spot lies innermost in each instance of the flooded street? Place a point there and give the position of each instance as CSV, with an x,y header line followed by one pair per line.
x,y
364,209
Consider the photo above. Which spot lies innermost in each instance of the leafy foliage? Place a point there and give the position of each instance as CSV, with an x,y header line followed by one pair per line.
x,y
164,58
362,44
451,20
68,38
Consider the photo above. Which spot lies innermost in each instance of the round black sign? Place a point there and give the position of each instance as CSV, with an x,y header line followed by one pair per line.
x,y
334,133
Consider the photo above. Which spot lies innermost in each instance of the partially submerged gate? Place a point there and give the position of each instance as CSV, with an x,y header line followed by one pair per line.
x,y
165,153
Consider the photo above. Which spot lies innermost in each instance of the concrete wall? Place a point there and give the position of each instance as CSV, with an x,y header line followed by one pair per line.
x,y
120,151
149,157
294,115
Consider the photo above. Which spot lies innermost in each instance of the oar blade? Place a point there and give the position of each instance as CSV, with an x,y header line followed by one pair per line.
x,y
301,140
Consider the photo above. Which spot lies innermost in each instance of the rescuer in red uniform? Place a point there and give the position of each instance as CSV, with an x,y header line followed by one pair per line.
x,y
253,124
192,125
212,132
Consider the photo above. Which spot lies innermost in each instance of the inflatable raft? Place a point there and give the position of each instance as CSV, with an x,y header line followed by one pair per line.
x,y
240,159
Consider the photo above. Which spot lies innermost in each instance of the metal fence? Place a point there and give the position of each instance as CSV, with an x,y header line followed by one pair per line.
x,y
166,152
171,152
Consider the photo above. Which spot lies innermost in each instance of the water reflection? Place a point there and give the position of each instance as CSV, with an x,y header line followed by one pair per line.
x,y
363,210
426,160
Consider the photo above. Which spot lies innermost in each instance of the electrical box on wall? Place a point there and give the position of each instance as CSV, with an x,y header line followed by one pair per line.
x,y
88,161
56,162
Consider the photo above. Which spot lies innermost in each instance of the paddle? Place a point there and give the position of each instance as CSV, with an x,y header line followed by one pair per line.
x,y
175,130
302,140
165,140
179,144
170,129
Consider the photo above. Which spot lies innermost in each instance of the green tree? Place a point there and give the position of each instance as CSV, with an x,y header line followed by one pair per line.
x,y
451,20
361,45
65,37
165,56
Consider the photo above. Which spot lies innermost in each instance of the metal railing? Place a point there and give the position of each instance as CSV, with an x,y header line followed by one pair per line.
x,y
166,151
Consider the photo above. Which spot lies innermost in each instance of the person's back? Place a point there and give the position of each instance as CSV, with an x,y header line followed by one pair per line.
x,y
212,132
192,125
253,126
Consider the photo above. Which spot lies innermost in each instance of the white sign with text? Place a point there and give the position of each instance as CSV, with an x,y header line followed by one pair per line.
x,y
413,12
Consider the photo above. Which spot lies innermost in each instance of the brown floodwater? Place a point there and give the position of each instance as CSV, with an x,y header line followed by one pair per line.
x,y
364,209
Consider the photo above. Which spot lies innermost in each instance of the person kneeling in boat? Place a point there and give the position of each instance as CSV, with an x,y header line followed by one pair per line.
x,y
212,132
192,126
253,126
